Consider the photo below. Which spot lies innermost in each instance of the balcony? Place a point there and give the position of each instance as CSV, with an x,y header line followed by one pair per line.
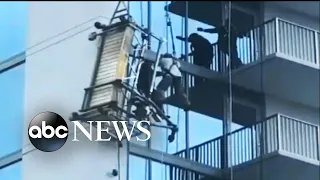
x,y
279,38
284,144
283,58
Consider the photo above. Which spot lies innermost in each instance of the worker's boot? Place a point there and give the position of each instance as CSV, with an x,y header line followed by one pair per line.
x,y
158,96
184,100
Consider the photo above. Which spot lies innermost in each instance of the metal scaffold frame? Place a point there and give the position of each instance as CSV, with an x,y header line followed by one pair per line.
x,y
111,109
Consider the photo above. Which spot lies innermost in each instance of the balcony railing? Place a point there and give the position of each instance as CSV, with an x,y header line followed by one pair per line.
x,y
277,132
281,37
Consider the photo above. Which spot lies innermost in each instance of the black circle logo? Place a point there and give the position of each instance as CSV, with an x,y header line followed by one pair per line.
x,y
48,131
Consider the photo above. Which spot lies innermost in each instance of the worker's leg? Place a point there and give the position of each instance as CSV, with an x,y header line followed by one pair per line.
x,y
235,60
197,61
203,60
158,95
144,80
179,90
220,63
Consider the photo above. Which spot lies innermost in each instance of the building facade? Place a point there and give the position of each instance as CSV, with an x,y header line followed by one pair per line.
x,y
279,122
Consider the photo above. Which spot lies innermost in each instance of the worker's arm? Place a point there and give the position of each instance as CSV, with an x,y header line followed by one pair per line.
x,y
211,30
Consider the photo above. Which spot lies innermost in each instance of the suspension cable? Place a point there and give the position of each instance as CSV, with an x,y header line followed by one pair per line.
x,y
229,120
167,106
167,31
141,13
186,42
178,110
119,162
169,25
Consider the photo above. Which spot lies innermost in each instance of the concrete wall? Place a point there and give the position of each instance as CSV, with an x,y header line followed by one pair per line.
x,y
56,72
276,167
301,112
273,10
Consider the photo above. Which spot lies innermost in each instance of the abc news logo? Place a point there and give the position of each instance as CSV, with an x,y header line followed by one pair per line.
x,y
48,131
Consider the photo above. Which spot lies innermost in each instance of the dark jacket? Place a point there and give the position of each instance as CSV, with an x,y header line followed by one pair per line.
x,y
202,49
223,39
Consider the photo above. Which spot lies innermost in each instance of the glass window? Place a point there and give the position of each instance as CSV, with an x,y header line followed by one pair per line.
x,y
137,168
11,109
13,18
12,172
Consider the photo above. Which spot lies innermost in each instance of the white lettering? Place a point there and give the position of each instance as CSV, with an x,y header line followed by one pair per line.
x,y
121,128
60,128
37,135
144,130
125,129
36,132
99,130
83,130
44,130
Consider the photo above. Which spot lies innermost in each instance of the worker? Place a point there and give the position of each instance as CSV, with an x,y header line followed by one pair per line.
x,y
223,43
202,52
171,76
144,79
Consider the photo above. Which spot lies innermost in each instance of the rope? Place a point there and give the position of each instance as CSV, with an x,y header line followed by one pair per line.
x,y
167,106
119,162
169,25
229,121
68,30
141,13
167,31
59,34
178,110
182,34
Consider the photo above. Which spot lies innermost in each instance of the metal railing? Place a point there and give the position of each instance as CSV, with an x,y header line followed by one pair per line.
x,y
277,132
294,41
280,37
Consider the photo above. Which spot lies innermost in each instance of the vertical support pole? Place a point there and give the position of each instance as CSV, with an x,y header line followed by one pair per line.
x,y
149,47
149,24
186,43
128,7
224,140
262,136
128,160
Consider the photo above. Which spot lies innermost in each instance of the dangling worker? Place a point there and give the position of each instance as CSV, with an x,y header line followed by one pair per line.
x,y
223,43
202,52
171,76
144,79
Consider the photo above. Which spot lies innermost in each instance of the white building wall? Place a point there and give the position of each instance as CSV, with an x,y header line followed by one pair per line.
x,y
273,10
298,111
56,72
